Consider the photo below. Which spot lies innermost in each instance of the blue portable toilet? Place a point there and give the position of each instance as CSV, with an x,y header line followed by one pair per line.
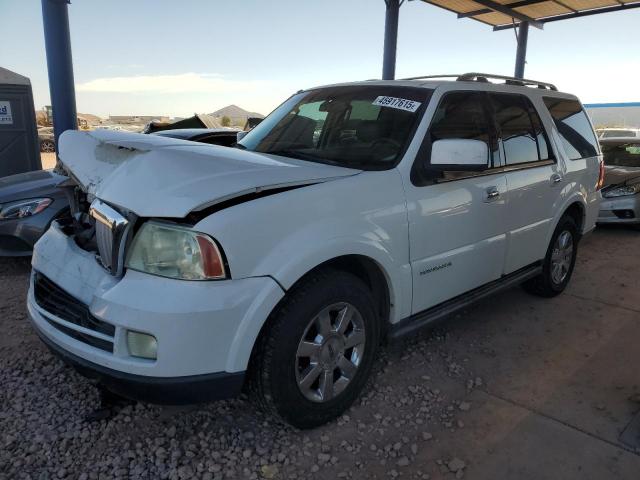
x,y
19,148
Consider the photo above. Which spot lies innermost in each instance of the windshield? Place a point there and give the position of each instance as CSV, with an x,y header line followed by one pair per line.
x,y
622,155
366,127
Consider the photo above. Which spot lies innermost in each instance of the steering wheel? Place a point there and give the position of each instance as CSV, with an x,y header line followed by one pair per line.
x,y
385,149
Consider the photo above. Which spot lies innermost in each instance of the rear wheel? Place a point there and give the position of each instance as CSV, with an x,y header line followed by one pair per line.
x,y
559,262
317,352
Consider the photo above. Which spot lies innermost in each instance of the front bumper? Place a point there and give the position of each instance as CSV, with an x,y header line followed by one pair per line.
x,y
205,331
623,210
162,391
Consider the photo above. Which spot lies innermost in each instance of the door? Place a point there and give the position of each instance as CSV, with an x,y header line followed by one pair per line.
x,y
534,181
457,219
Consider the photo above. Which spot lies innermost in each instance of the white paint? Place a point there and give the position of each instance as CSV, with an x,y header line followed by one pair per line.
x,y
166,177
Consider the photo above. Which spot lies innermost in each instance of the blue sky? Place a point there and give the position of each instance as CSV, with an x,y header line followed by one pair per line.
x,y
168,57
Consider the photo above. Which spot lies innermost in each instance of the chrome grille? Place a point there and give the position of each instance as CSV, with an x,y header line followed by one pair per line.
x,y
111,232
104,240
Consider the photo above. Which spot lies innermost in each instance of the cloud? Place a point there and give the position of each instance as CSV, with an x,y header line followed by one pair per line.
x,y
180,83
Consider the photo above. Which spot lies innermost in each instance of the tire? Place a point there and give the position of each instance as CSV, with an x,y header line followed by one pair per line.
x,y
552,282
47,146
280,369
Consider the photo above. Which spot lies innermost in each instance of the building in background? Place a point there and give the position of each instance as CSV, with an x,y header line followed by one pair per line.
x,y
605,115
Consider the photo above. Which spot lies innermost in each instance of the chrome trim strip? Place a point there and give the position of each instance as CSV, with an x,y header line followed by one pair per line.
x,y
118,226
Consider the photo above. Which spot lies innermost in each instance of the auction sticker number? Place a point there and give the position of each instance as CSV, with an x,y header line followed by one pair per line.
x,y
399,103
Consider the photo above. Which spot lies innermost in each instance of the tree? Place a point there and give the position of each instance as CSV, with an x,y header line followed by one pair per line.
x,y
226,121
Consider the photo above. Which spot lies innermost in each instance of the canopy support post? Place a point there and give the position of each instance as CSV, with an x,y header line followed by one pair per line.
x,y
55,19
521,54
390,39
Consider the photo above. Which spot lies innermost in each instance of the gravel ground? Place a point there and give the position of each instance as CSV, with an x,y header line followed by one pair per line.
x,y
416,398
48,160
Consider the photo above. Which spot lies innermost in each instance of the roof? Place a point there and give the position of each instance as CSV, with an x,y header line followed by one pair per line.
x,y
502,14
478,81
7,77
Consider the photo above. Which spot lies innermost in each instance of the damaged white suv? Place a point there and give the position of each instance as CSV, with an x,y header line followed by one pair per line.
x,y
352,213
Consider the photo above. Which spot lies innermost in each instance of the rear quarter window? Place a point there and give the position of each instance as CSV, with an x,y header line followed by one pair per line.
x,y
573,125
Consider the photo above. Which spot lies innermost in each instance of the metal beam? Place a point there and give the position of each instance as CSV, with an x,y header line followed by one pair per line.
x,y
569,16
504,9
390,39
55,19
483,11
521,54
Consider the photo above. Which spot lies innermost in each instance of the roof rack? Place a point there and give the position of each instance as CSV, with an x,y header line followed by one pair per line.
x,y
484,77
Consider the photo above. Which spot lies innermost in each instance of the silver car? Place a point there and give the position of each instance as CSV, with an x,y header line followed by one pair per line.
x,y
620,195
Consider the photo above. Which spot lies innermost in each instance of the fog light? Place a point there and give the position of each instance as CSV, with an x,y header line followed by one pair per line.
x,y
142,345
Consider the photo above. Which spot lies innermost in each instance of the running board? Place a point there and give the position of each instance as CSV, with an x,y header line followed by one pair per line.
x,y
445,309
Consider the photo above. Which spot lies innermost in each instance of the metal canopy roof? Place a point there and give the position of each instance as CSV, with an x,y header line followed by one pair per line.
x,y
501,14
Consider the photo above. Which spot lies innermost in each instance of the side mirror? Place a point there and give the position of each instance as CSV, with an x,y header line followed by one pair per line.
x,y
459,154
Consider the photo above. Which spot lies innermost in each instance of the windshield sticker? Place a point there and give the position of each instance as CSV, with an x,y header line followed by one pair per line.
x,y
399,103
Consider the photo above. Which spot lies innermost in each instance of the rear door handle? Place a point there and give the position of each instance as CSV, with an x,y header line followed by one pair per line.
x,y
492,194
556,178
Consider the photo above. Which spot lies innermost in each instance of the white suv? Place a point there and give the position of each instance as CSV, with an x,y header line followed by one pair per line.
x,y
351,214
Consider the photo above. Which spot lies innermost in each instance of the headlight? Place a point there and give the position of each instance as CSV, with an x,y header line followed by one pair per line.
x,y
622,191
176,252
23,208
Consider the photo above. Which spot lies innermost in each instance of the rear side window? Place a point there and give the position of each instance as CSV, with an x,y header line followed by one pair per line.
x,y
520,128
574,128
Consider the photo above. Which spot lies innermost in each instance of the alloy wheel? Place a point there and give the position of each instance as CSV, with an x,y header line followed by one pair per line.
x,y
330,352
561,257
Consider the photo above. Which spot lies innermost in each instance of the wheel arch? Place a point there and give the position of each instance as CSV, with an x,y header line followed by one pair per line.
x,y
363,267
576,207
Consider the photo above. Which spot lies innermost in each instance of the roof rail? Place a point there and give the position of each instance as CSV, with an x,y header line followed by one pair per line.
x,y
484,77
421,77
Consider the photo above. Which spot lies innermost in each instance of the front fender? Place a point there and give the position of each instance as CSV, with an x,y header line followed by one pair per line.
x,y
286,235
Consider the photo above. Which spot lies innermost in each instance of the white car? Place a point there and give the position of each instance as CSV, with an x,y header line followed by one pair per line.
x,y
190,271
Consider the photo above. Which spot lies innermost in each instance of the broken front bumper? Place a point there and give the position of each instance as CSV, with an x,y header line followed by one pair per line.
x,y
204,330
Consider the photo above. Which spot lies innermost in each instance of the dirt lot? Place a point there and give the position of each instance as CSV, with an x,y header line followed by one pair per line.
x,y
516,388
48,160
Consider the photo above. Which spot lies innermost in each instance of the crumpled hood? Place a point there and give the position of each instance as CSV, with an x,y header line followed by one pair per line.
x,y
29,185
165,177
620,175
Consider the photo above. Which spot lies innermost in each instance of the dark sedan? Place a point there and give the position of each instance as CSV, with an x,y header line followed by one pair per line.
x,y
30,201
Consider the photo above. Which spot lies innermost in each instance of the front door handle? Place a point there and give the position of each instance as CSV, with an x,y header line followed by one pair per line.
x,y
556,178
492,194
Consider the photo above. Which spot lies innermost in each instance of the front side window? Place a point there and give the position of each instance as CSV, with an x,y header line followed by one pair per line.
x,y
523,136
463,115
365,127
574,128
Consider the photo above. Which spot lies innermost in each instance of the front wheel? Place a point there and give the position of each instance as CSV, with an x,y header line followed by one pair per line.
x,y
317,351
559,262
